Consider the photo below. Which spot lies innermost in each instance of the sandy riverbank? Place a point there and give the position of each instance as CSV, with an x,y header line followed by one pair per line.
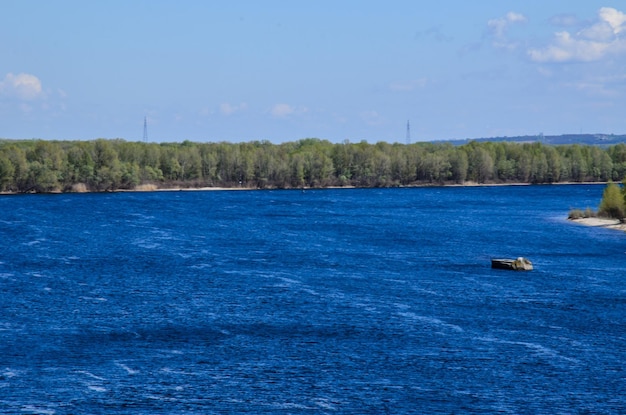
x,y
155,188
601,223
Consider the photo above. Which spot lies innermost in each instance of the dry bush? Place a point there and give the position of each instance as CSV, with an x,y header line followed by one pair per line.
x,y
146,187
79,188
580,214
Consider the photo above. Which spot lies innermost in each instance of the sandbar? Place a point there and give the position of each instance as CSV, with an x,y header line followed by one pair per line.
x,y
602,223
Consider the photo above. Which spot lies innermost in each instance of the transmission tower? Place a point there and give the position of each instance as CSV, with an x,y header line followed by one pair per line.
x,y
408,133
145,130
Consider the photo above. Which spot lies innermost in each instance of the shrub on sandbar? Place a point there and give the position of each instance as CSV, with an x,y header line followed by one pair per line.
x,y
612,204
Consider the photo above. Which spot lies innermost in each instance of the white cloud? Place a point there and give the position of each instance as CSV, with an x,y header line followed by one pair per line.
x,y
545,72
565,48
229,109
498,30
613,17
564,20
594,88
282,110
285,110
372,117
206,112
23,86
600,86
592,43
499,26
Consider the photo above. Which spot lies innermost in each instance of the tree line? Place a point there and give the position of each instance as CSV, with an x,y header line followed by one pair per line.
x,y
107,165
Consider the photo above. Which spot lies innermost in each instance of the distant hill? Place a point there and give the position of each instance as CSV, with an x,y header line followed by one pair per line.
x,y
601,140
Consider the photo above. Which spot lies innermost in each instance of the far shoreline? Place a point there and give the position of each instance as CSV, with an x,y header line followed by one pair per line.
x,y
155,188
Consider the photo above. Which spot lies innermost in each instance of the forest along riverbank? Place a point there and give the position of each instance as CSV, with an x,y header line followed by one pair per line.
x,y
38,166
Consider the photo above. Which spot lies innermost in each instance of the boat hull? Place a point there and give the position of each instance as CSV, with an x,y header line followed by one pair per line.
x,y
519,264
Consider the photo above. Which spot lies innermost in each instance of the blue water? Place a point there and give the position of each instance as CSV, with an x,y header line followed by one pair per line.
x,y
327,301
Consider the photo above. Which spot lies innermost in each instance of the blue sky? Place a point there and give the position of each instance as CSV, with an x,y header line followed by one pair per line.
x,y
285,70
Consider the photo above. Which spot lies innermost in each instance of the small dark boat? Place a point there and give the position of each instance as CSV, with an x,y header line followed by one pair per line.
x,y
519,264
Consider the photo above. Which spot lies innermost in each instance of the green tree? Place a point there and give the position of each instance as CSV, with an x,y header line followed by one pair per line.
x,y
129,175
612,204
107,169
342,156
80,165
208,161
41,178
296,167
190,162
169,163
433,167
554,165
458,165
578,164
600,164
46,165
17,157
382,165
539,168
263,163
6,172
480,165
